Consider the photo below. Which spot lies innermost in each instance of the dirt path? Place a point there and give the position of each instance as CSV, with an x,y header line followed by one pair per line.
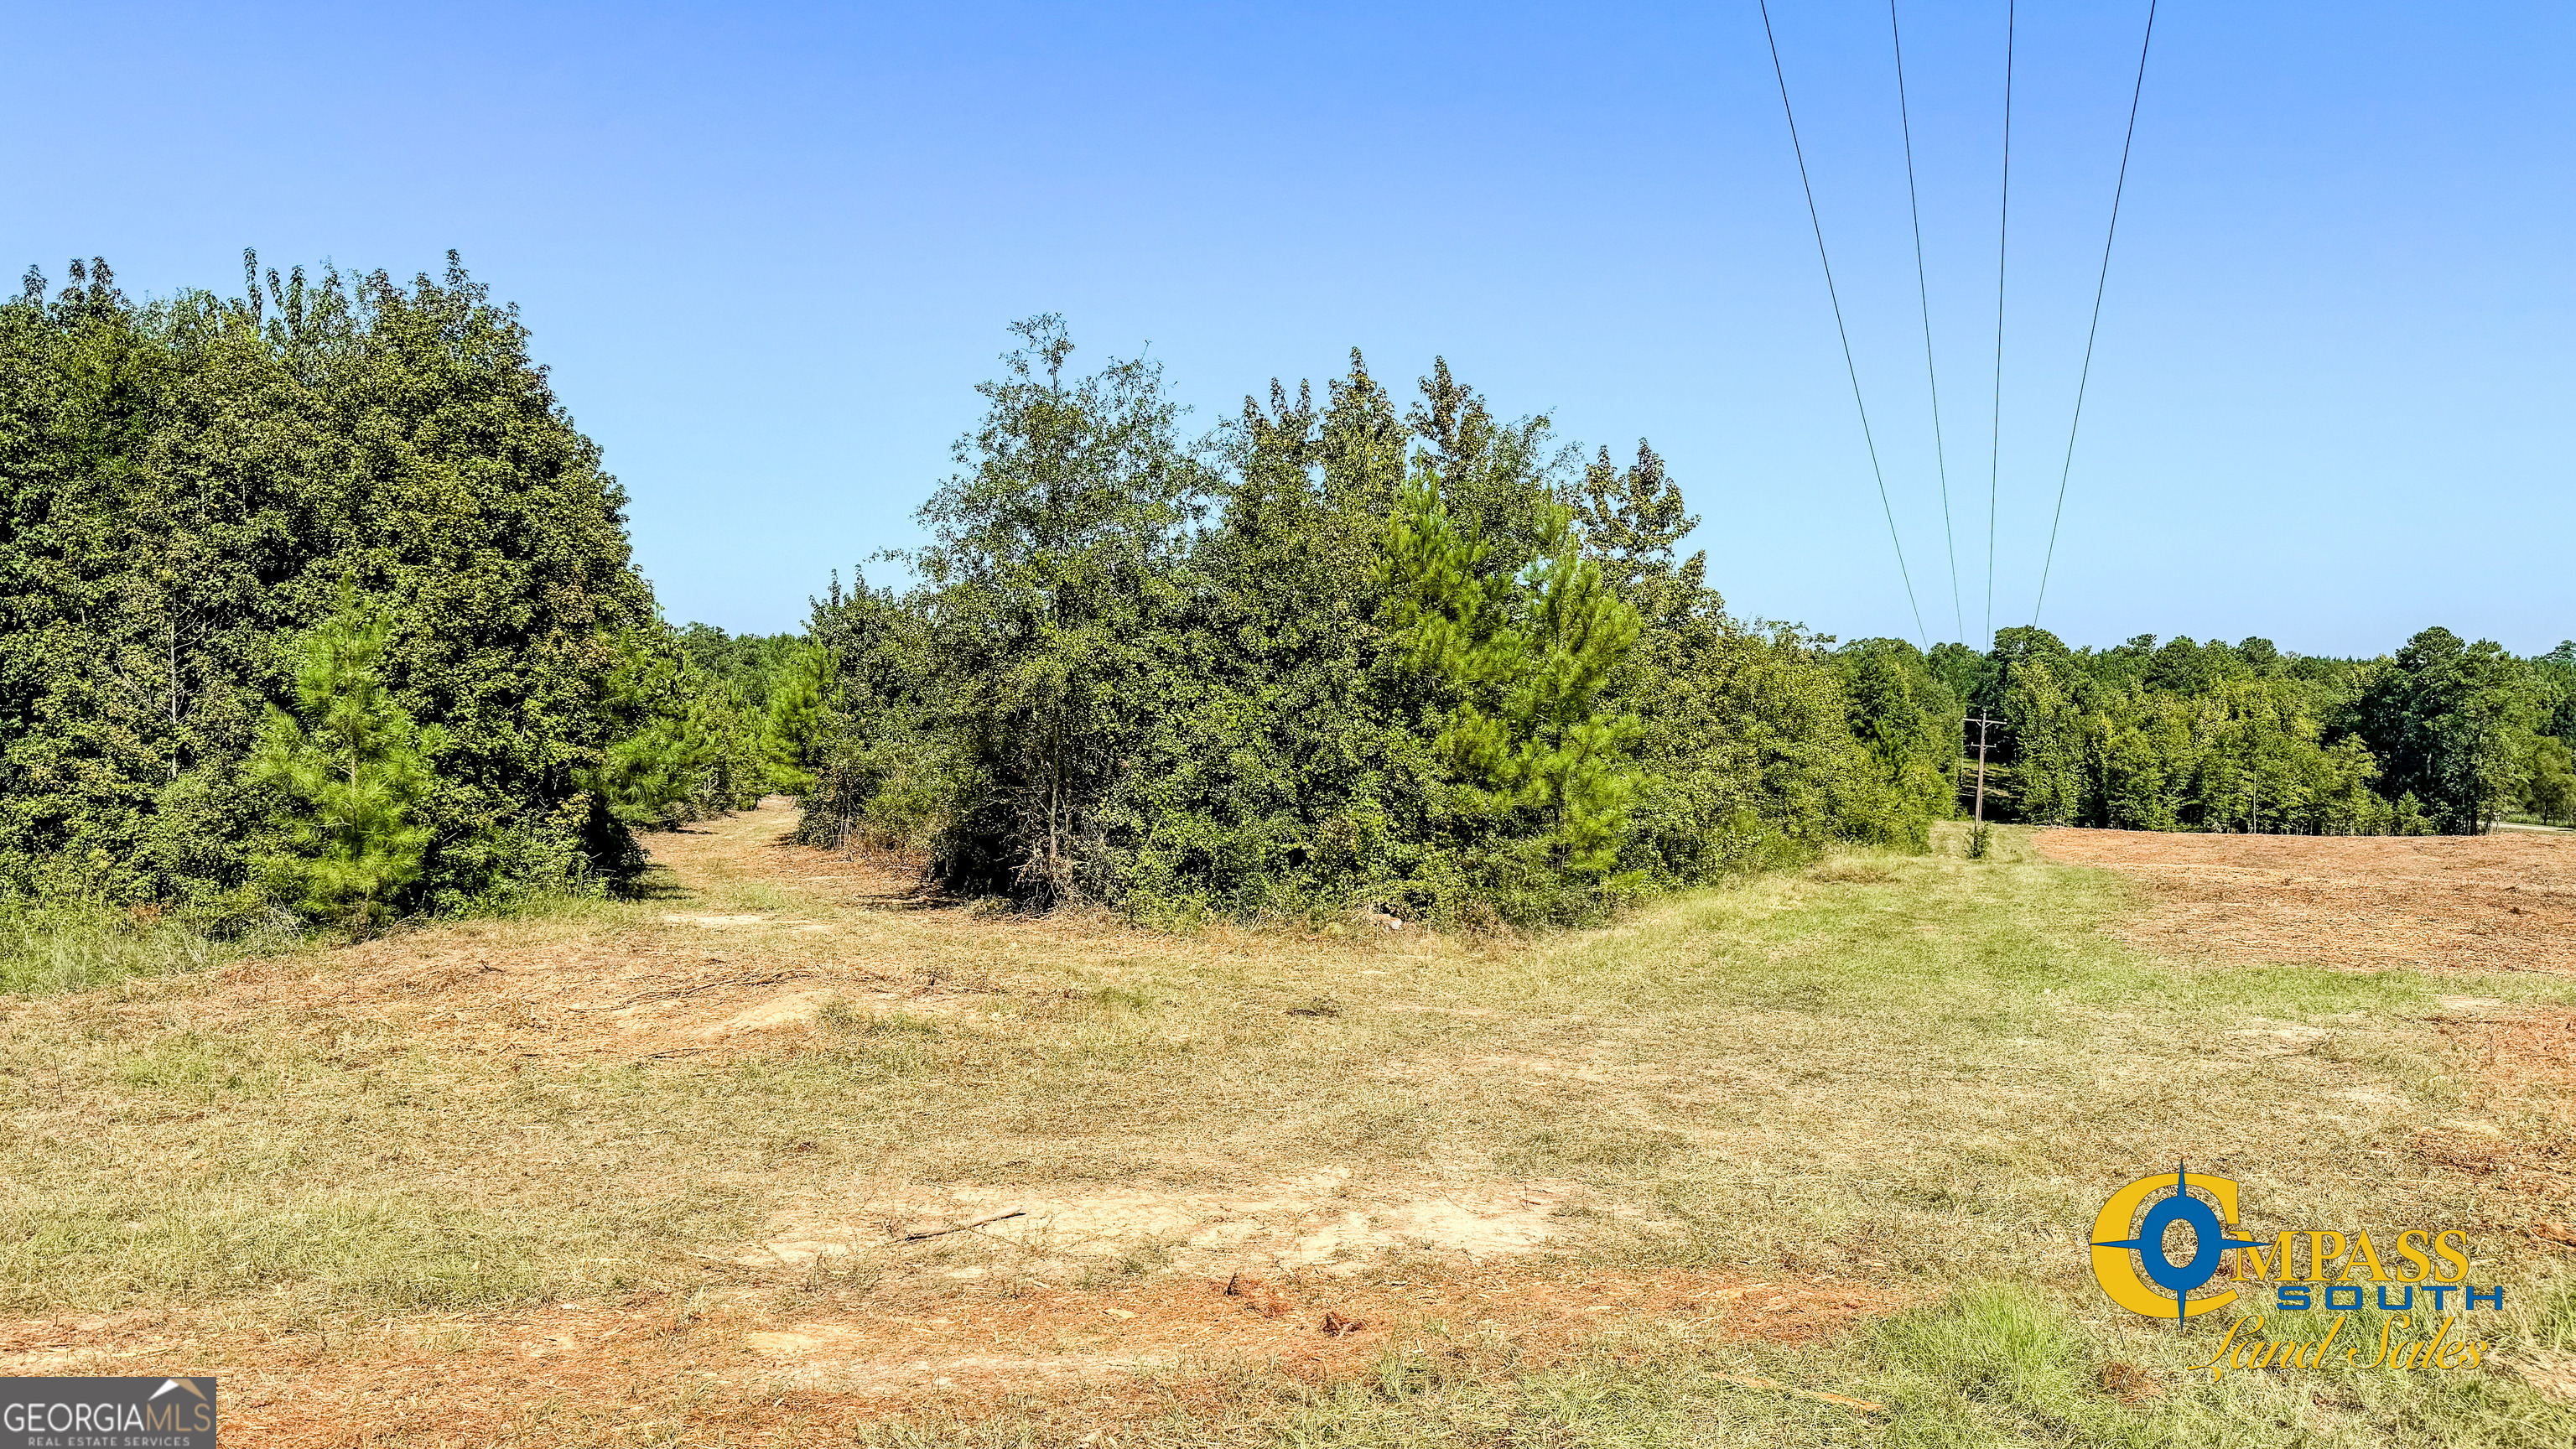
x,y
2455,903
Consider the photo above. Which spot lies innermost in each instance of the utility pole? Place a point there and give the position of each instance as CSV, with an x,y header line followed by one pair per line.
x,y
1981,722
2254,777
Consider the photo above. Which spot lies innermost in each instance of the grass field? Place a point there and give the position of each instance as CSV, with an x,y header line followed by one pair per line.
x,y
1807,1159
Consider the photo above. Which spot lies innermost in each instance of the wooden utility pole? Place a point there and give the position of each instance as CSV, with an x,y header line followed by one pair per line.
x,y
1981,722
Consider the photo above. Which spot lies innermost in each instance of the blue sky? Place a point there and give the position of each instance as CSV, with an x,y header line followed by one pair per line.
x,y
768,251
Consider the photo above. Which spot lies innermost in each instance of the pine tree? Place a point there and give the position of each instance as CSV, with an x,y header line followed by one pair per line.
x,y
1528,657
684,749
354,767
794,728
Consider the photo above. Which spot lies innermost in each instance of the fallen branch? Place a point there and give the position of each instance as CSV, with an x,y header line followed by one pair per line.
x,y
677,993
962,1227
1746,1381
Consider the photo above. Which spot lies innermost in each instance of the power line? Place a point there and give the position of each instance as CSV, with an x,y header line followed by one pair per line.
x,y
1817,220
2100,282
2003,235
1923,290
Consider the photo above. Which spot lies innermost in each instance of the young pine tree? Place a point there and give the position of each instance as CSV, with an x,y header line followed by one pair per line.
x,y
355,768
794,728
1528,657
683,750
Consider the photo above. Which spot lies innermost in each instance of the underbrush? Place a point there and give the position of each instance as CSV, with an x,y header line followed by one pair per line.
x,y
59,946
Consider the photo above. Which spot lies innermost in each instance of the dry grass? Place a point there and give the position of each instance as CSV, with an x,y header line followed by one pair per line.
x,y
1118,1357
62,946
1564,1182
2503,902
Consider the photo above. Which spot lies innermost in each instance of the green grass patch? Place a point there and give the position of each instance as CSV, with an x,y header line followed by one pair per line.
x,y
52,947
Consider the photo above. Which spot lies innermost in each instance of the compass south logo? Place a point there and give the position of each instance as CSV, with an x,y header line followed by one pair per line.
x,y
2419,1278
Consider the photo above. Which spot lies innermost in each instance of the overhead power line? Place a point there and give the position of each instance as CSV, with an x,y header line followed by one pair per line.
x,y
1923,291
2099,283
2003,236
1815,219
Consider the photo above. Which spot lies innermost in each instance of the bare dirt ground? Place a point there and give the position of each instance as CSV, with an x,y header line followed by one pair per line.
x,y
654,1370
2454,903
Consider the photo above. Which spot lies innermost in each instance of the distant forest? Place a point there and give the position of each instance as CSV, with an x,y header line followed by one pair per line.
x,y
318,605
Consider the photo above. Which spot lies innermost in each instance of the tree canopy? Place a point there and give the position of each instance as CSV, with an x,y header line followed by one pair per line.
x,y
189,487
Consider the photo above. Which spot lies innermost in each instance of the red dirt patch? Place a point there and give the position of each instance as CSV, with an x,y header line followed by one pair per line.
x,y
581,1374
2365,903
2525,1068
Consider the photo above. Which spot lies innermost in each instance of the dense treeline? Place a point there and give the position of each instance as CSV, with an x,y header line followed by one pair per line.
x,y
315,598
1428,659
316,601
2443,736
1346,651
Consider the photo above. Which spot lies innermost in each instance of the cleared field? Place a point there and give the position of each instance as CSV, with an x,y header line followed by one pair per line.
x,y
2503,902
792,1154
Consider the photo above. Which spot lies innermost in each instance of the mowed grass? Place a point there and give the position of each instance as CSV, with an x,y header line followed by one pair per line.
x,y
1919,1072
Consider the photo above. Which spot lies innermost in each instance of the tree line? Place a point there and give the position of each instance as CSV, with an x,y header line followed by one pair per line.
x,y
313,600
1425,658
1346,649
318,603
2443,736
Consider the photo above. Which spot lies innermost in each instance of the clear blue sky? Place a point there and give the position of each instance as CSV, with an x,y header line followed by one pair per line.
x,y
769,250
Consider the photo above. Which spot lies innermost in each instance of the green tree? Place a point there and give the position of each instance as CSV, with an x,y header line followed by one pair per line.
x,y
1528,658
2342,801
2043,780
2141,756
796,720
1900,713
1633,523
684,749
353,770
2549,788
185,487
2553,677
1283,775
1053,573
2451,723
884,772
